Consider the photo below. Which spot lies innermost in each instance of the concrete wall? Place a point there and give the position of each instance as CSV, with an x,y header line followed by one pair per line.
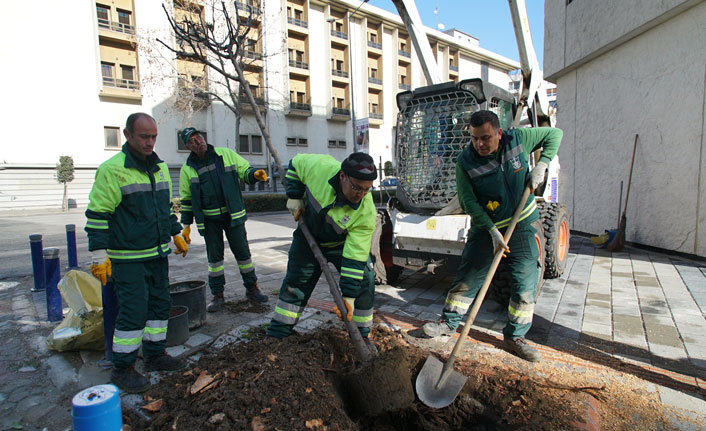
x,y
652,84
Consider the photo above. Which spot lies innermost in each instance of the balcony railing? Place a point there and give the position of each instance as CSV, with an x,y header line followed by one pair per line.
x,y
298,106
340,111
257,93
403,86
248,8
339,72
297,22
375,115
116,26
405,53
374,44
299,64
121,83
339,34
372,80
453,68
254,55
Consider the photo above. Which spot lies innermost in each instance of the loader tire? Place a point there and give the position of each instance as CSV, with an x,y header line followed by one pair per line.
x,y
555,220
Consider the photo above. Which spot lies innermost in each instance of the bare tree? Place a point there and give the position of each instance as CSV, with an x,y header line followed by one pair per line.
x,y
221,46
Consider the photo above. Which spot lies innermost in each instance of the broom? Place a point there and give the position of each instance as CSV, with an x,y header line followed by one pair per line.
x,y
618,241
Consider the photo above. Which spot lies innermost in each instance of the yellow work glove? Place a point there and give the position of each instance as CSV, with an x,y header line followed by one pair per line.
x,y
100,266
296,207
181,246
186,234
349,308
261,175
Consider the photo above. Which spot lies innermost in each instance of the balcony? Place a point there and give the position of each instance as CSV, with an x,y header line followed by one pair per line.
x,y
299,64
404,54
120,88
299,109
249,9
374,45
339,34
339,75
453,68
116,26
374,81
340,114
375,115
297,25
190,96
253,55
121,83
404,87
259,96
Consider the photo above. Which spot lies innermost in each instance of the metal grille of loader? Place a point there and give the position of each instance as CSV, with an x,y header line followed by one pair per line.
x,y
431,133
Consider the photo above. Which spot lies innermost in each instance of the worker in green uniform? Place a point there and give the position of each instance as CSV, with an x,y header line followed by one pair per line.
x,y
209,185
334,201
129,224
491,175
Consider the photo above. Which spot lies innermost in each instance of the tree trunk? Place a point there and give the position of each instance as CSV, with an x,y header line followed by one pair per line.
x,y
65,200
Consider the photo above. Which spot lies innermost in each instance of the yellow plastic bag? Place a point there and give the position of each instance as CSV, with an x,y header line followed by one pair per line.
x,y
82,327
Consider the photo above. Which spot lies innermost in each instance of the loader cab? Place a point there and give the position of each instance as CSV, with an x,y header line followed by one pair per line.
x,y
433,127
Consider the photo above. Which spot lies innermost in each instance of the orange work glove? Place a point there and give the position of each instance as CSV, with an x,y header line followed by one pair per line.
x,y
181,246
261,175
100,266
186,234
349,309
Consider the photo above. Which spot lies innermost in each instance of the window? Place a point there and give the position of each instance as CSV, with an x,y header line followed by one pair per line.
x,y
302,142
374,108
128,72
244,146
256,144
123,17
103,13
107,69
182,146
342,144
336,143
299,142
331,143
373,73
292,142
373,37
112,137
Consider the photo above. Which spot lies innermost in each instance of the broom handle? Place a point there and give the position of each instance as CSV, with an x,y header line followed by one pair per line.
x,y
632,163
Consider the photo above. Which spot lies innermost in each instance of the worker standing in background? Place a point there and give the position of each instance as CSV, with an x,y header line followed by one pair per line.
x,y
209,184
491,175
129,222
334,201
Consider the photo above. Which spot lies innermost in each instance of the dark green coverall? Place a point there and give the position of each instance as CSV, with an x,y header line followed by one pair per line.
x,y
130,215
343,230
210,193
501,178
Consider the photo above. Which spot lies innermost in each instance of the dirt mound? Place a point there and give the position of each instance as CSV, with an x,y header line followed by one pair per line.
x,y
298,384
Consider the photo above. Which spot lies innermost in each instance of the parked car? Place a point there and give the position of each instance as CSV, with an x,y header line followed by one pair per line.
x,y
389,182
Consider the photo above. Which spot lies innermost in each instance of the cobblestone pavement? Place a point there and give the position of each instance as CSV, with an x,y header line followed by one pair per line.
x,y
636,311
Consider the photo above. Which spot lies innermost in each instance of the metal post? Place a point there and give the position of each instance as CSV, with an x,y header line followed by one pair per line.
x,y
35,245
71,246
110,313
52,268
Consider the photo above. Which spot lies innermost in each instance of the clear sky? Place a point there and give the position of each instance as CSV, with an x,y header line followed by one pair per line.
x,y
487,20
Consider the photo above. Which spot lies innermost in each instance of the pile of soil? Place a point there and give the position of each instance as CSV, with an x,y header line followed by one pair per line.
x,y
298,384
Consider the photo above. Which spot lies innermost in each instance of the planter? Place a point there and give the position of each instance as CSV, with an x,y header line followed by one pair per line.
x,y
191,294
178,326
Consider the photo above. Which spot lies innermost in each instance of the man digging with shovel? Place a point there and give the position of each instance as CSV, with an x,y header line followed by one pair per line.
x,y
491,175
333,198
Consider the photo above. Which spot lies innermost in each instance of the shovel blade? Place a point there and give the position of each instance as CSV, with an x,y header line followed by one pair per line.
x,y
432,390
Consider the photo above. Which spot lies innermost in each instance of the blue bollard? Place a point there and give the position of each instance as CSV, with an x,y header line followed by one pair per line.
x,y
110,313
555,190
71,246
35,245
97,408
52,268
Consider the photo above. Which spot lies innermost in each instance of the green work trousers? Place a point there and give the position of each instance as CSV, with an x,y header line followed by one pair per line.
x,y
523,265
303,272
238,241
144,300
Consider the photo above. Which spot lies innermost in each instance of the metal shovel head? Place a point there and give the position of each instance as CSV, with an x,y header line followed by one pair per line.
x,y
434,392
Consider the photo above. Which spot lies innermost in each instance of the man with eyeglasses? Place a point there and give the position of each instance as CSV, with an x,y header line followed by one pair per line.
x,y
333,198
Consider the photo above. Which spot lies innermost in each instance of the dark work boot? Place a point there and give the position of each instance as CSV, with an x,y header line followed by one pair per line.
x,y
437,329
253,293
129,380
163,362
216,303
520,347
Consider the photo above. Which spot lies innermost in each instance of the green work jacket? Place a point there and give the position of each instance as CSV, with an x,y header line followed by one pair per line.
x,y
501,177
130,209
332,219
202,197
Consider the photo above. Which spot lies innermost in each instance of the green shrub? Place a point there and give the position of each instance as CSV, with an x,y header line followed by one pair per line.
x,y
265,203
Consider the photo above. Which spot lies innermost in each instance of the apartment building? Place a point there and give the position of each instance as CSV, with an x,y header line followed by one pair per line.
x,y
315,68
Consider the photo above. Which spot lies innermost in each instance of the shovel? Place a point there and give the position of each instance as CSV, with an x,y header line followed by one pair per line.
x,y
437,383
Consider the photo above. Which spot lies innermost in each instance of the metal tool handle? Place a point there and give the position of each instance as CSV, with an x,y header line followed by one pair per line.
x,y
486,284
336,292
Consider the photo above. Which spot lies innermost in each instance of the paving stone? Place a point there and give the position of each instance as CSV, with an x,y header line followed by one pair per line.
x,y
61,372
198,339
176,351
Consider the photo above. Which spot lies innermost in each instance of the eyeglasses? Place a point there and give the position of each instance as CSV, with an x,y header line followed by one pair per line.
x,y
355,188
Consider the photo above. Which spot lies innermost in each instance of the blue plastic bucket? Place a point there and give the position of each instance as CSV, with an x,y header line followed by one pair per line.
x,y
97,408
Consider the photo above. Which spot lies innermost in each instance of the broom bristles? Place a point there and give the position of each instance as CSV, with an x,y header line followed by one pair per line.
x,y
618,241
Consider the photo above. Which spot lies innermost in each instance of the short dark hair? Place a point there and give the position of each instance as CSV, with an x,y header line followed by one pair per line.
x,y
132,118
481,117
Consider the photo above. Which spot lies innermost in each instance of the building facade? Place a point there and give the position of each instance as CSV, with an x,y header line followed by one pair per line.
x,y
316,71
626,68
